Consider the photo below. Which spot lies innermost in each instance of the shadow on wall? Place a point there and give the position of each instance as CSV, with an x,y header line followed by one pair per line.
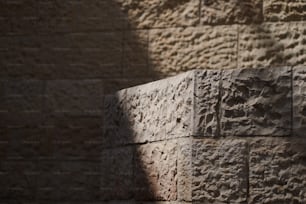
x,y
58,60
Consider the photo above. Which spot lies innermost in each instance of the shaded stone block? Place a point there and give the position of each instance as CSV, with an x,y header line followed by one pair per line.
x,y
206,107
299,101
230,12
256,102
219,171
175,50
277,171
272,44
156,171
286,10
116,178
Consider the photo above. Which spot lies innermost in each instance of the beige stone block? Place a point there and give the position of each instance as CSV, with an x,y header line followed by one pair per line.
x,y
286,10
179,49
156,14
219,171
231,12
277,170
272,44
156,171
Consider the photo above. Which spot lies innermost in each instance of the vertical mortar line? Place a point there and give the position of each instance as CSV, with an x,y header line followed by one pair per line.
x,y
122,51
291,101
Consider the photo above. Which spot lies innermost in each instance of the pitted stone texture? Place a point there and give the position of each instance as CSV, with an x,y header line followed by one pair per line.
x,y
154,111
156,171
277,171
116,173
272,44
219,171
256,102
287,10
156,14
184,170
206,108
231,11
299,101
180,49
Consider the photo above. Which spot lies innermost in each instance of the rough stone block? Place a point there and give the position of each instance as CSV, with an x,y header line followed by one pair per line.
x,y
154,111
156,171
156,14
256,102
272,44
207,101
286,10
184,170
76,97
219,171
116,174
230,12
277,171
299,101
179,49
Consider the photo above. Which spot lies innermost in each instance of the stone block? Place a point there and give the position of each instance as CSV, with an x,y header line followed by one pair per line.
x,y
284,10
299,101
256,102
116,178
207,103
219,171
180,49
277,171
151,112
157,14
272,44
231,12
156,171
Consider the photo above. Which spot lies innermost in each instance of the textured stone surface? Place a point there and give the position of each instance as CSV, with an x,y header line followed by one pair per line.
x,y
231,11
276,10
116,180
277,171
156,171
299,101
206,108
154,111
156,14
256,102
272,44
219,171
184,170
76,55
180,49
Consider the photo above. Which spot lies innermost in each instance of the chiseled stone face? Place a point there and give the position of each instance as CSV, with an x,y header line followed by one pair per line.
x,y
256,102
206,108
180,49
156,171
157,14
272,44
277,171
299,101
151,112
231,11
288,10
219,171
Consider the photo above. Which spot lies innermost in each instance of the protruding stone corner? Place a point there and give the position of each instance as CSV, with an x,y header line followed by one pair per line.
x,y
206,103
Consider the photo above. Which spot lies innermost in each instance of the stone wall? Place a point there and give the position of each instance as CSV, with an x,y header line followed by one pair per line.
x,y
207,136
58,60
